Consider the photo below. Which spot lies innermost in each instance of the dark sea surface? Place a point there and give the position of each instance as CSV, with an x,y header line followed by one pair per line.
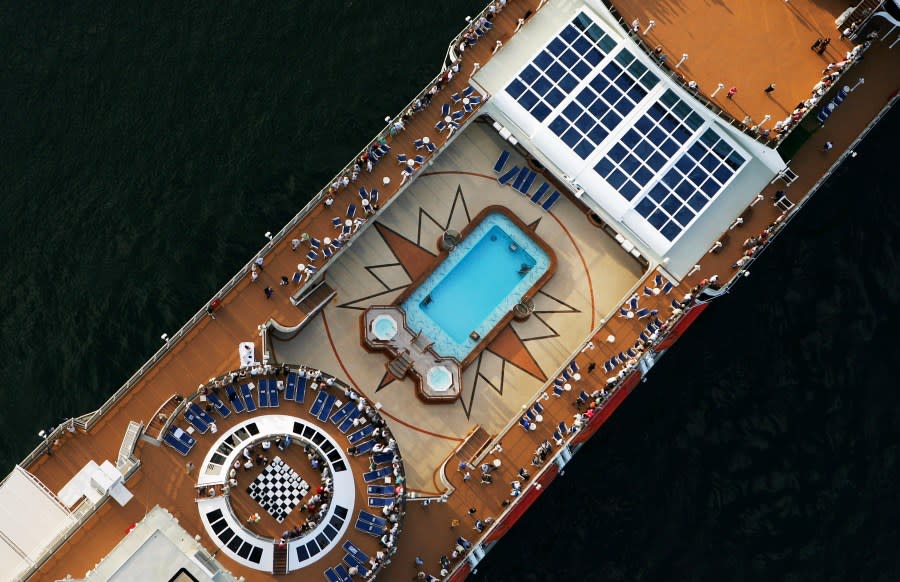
x,y
146,148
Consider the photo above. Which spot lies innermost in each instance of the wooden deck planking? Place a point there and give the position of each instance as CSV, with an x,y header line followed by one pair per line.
x,y
211,348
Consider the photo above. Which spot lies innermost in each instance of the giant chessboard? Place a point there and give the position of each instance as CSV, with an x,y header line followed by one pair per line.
x,y
278,489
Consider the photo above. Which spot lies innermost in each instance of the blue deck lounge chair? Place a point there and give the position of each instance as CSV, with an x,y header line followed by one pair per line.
x,y
385,457
176,444
401,158
445,110
235,400
343,412
633,302
505,178
373,195
467,92
542,189
316,407
263,393
248,398
351,210
457,115
312,256
380,489
366,447
456,98
430,147
204,416
301,388
315,243
440,125
273,393
467,107
520,177
290,386
539,408
348,422
370,476
218,405
380,501
354,551
658,280
361,434
196,421
501,161
327,252
526,184
668,288
337,221
550,201
475,100
326,407
355,562
419,144
642,313
363,193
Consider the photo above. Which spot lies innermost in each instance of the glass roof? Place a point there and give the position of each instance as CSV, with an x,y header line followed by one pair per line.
x,y
667,163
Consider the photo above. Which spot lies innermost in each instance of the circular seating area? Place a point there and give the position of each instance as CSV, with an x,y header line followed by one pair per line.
x,y
299,414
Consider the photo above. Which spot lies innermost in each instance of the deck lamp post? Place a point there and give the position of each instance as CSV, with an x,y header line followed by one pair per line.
x,y
269,236
719,87
765,119
164,337
650,26
684,57
858,83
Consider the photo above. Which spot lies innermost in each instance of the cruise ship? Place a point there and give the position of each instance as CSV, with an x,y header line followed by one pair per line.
x,y
468,300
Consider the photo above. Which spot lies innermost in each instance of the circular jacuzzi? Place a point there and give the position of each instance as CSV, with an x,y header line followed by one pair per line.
x,y
439,379
384,327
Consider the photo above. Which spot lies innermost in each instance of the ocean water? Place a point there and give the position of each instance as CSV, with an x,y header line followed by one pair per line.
x,y
145,149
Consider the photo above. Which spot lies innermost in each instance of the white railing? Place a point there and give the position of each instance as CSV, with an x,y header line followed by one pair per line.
x,y
739,274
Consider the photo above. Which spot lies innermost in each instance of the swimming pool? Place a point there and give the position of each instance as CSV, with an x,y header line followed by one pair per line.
x,y
476,286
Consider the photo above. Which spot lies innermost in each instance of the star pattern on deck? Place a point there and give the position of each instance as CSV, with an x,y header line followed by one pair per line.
x,y
414,257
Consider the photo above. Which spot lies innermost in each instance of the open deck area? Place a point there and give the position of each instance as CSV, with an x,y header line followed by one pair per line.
x,y
577,315
746,45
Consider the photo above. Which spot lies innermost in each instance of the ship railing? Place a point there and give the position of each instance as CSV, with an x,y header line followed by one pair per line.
x,y
81,514
93,417
612,388
243,272
46,443
823,101
745,269
708,103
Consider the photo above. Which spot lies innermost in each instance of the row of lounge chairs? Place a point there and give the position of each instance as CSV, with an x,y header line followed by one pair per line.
x,y
268,397
354,557
522,179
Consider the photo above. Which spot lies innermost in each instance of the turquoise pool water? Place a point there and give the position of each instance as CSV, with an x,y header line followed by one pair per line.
x,y
476,286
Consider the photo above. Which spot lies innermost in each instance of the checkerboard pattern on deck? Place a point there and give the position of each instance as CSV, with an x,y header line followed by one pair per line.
x,y
278,489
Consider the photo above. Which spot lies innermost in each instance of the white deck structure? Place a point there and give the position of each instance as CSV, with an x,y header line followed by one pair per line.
x,y
585,101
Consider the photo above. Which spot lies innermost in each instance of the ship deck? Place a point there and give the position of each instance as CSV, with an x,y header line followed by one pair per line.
x,y
594,277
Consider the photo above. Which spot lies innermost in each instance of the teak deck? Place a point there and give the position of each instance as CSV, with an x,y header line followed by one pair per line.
x,y
210,348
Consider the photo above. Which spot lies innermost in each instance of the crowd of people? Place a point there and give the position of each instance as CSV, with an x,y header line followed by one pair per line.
x,y
830,74
315,507
753,244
